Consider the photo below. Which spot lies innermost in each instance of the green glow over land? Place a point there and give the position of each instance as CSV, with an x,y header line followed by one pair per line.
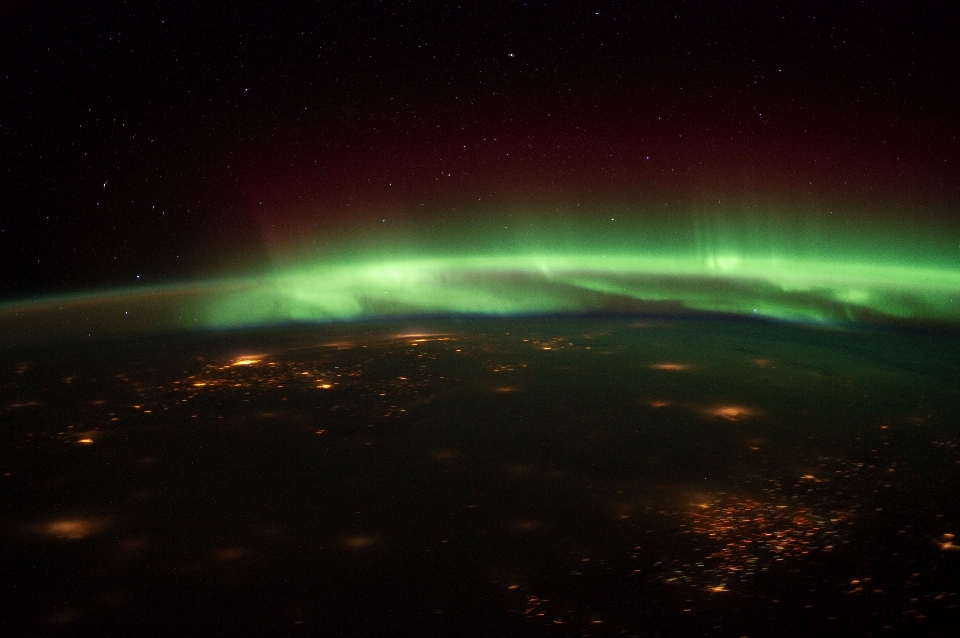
x,y
801,273
805,290
815,267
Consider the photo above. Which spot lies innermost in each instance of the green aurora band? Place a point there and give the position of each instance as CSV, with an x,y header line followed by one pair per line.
x,y
805,275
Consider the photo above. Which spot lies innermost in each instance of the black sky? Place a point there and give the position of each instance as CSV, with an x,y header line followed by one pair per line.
x,y
176,140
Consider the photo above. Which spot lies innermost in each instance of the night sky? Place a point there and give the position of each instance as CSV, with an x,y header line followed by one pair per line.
x,y
161,143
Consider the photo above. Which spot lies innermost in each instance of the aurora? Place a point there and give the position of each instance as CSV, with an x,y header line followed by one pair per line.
x,y
793,274
544,283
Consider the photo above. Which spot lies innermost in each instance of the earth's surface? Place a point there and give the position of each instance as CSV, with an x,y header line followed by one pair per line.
x,y
484,477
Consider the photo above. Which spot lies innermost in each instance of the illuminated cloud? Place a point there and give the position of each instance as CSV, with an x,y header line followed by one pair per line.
x,y
731,412
673,367
74,528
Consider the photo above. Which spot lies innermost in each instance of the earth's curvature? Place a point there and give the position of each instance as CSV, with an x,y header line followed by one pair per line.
x,y
620,475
